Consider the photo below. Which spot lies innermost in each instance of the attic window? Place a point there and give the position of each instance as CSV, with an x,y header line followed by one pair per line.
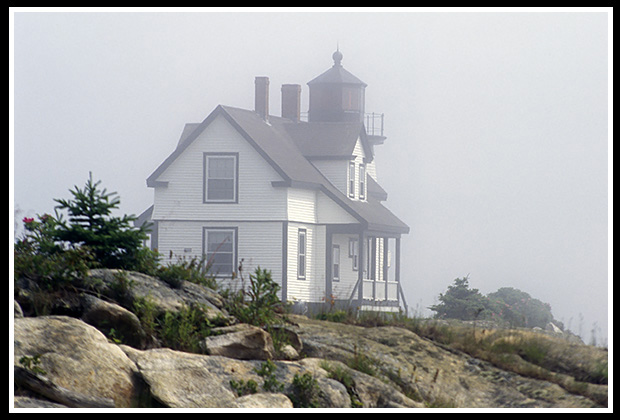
x,y
221,177
352,179
362,182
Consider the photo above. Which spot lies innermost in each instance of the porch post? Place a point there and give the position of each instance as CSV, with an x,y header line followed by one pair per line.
x,y
385,264
328,263
360,271
397,266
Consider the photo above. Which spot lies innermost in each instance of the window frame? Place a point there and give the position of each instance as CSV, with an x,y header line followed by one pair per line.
x,y
362,182
205,188
351,179
205,251
354,251
336,273
301,274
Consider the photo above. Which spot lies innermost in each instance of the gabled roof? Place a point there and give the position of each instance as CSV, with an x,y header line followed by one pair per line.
x,y
328,140
281,144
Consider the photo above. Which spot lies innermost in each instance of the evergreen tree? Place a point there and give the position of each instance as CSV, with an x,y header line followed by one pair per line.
x,y
114,241
461,302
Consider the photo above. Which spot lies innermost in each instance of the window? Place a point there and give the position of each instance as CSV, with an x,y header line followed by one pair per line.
x,y
362,193
354,251
220,250
351,98
301,254
352,179
220,177
336,262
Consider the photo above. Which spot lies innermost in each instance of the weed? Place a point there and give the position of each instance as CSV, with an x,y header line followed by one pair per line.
x,y
242,388
305,391
362,362
193,270
146,311
268,372
121,285
32,363
338,373
258,305
185,329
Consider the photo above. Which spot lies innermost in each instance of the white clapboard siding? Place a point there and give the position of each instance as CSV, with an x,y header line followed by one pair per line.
x,y
302,205
329,211
312,287
182,198
258,243
342,288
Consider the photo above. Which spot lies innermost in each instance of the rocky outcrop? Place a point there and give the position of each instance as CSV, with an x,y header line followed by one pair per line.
x,y
115,321
133,286
103,356
428,372
241,341
77,357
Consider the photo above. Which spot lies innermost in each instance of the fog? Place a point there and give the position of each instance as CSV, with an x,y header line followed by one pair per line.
x,y
497,122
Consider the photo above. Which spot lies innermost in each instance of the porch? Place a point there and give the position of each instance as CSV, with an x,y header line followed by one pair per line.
x,y
371,281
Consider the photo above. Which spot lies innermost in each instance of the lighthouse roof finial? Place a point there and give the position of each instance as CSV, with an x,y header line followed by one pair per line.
x,y
337,56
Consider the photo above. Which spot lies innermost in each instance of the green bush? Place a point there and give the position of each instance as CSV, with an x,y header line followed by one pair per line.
x,y
258,305
507,306
519,309
193,270
268,372
55,253
305,391
242,388
39,257
184,329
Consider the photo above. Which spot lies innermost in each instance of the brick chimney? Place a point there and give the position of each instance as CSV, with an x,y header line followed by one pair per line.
x,y
291,102
261,96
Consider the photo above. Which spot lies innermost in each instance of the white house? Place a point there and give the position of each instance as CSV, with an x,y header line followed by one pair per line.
x,y
300,198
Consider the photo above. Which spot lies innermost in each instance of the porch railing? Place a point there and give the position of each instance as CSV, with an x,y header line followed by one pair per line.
x,y
372,121
374,124
377,291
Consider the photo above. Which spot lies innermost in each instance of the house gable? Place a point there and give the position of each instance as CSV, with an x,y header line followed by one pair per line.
x,y
180,184
196,130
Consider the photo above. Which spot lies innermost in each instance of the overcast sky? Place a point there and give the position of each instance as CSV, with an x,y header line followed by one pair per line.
x,y
497,150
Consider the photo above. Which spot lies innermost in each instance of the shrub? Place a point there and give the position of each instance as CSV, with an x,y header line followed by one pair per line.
x,y
362,362
185,329
193,270
268,372
506,306
305,391
242,388
258,305
519,309
39,257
